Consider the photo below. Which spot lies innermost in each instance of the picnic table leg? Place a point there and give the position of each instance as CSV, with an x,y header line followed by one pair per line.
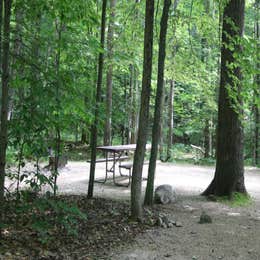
x,y
104,181
114,162
114,171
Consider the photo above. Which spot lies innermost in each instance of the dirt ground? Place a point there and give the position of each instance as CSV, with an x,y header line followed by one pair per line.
x,y
233,234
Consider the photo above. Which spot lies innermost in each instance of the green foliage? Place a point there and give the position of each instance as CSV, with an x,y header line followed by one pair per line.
x,y
237,200
187,154
47,98
78,153
48,216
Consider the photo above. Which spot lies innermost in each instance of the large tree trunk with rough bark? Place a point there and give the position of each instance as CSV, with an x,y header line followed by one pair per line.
x,y
110,35
4,107
136,187
229,174
158,104
1,29
257,91
1,26
94,128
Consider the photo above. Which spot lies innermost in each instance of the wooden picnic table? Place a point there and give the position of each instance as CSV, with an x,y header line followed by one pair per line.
x,y
119,153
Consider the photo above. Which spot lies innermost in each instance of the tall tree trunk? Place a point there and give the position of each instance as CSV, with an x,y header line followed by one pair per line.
x,y
1,27
1,30
34,73
110,36
17,72
76,133
17,52
204,58
136,188
257,91
158,104
134,87
83,138
127,108
59,29
131,114
207,138
4,107
161,141
170,120
229,174
94,129
134,111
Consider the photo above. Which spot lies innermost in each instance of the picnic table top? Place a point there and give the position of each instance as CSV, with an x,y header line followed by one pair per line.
x,y
120,148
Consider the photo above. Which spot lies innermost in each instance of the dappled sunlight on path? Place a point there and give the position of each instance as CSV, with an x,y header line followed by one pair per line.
x,y
185,179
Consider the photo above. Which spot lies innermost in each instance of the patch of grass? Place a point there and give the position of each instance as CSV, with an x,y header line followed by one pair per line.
x,y
237,200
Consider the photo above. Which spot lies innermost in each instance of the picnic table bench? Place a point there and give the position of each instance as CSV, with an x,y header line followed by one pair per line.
x,y
128,166
118,155
109,159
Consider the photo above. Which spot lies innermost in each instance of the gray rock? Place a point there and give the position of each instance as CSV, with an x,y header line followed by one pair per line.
x,y
164,225
170,225
205,218
164,194
178,224
165,220
159,221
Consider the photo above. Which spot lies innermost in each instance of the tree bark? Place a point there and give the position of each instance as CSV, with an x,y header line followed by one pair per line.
x,y
257,91
170,120
158,104
83,138
1,32
161,138
136,187
4,107
59,29
110,35
94,129
207,139
134,87
204,58
229,174
1,25
131,117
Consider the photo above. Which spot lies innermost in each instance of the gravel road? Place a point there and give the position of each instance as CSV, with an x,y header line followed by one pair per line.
x,y
185,179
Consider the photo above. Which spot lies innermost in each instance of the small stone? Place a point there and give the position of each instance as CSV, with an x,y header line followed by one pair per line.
x,y
170,225
165,220
205,218
189,208
164,225
173,222
178,224
159,221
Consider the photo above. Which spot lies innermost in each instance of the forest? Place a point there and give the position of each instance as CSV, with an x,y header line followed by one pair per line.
x,y
81,78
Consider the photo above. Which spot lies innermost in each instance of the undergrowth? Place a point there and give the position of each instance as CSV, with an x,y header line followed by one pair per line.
x,y
237,200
